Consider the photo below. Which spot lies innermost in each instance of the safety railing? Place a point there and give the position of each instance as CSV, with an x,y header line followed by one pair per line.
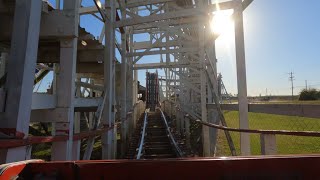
x,y
143,134
173,141
267,137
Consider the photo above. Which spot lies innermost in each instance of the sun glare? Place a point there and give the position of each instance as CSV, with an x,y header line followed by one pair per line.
x,y
221,22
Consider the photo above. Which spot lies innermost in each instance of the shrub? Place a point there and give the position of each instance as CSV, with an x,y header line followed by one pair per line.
x,y
311,94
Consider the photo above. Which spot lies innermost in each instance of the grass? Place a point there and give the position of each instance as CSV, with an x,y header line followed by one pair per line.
x,y
275,101
285,144
315,102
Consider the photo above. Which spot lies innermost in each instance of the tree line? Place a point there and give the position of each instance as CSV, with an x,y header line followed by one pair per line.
x,y
309,94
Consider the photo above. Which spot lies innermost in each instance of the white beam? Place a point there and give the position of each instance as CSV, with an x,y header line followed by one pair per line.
x,y
160,65
49,115
90,86
21,66
123,95
108,139
43,101
169,51
130,4
203,80
66,77
174,14
136,3
241,79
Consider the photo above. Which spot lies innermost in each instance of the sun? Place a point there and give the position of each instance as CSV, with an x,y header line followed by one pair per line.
x,y
222,22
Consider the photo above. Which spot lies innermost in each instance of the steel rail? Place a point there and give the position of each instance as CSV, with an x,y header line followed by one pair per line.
x,y
173,141
142,135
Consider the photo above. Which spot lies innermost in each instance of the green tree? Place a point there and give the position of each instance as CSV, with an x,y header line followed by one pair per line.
x,y
309,94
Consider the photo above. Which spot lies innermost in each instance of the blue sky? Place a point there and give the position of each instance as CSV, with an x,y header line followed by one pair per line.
x,y
280,36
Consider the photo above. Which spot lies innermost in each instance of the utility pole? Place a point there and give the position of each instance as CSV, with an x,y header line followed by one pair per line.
x,y
266,92
291,78
306,84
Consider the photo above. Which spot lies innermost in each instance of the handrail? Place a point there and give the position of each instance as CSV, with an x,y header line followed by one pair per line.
x,y
276,132
142,135
178,150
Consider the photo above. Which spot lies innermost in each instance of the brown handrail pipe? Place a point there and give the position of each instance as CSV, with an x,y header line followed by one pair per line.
x,y
276,132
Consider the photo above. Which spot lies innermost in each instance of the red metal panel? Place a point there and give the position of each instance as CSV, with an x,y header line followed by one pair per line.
x,y
260,167
54,170
235,168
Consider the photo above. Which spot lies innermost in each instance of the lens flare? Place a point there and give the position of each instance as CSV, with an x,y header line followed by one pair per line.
x,y
221,22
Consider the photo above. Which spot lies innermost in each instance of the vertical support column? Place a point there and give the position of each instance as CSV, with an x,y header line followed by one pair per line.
x,y
203,85
77,117
135,96
131,101
91,114
65,97
66,76
213,115
268,144
21,66
182,122
3,63
167,70
241,79
135,87
57,4
187,124
107,139
123,113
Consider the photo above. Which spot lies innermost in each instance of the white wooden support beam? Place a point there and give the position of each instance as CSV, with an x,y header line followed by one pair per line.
x,y
268,144
187,126
203,80
108,139
90,86
49,115
172,22
87,102
136,3
123,113
43,101
21,66
65,99
146,52
76,145
246,3
135,89
241,79
187,83
213,114
66,77
160,65
130,4
169,51
175,14
148,44
135,86
130,75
